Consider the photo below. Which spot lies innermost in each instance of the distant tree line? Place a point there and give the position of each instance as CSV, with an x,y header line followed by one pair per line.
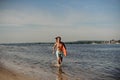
x,y
85,42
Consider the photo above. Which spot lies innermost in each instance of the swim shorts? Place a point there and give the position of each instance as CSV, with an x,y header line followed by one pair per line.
x,y
59,54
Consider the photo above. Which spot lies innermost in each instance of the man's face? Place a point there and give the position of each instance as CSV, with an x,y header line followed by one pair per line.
x,y
58,39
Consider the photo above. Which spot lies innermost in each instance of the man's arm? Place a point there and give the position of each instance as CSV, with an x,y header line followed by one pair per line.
x,y
54,47
64,45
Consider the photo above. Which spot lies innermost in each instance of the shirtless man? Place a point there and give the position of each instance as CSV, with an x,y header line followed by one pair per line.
x,y
58,48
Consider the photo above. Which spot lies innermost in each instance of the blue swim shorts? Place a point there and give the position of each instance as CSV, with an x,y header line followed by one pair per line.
x,y
59,54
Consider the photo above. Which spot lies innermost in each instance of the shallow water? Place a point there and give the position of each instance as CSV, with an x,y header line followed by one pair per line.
x,y
84,61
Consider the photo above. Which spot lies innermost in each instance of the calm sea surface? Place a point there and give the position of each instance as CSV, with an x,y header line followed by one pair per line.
x,y
83,62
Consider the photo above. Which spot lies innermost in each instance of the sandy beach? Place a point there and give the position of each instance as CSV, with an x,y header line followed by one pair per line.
x,y
6,74
9,72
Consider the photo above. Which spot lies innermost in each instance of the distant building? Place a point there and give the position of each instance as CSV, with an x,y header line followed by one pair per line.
x,y
112,41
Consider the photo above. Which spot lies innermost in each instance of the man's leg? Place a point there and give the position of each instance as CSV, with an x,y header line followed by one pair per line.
x,y
60,60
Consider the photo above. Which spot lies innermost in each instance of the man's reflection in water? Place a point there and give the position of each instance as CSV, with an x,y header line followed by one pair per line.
x,y
60,74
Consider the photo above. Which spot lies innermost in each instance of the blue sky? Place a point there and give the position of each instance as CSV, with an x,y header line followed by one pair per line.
x,y
42,20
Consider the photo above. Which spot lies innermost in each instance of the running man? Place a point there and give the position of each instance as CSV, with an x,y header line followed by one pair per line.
x,y
58,47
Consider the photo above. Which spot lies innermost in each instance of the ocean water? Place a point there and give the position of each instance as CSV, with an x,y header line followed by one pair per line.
x,y
83,62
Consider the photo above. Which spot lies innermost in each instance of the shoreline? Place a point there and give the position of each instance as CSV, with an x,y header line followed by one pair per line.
x,y
7,74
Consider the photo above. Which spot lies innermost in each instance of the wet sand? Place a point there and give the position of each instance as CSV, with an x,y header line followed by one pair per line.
x,y
6,74
9,74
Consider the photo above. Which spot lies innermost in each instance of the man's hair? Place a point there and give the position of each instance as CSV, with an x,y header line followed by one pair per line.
x,y
58,37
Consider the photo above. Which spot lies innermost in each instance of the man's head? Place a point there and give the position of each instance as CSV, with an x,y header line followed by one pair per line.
x,y
58,38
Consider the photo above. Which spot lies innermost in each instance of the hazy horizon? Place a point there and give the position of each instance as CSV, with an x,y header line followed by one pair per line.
x,y
42,20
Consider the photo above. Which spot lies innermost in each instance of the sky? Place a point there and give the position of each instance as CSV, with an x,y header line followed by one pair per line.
x,y
73,20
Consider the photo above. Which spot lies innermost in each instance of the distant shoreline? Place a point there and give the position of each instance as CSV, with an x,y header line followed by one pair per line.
x,y
76,42
69,42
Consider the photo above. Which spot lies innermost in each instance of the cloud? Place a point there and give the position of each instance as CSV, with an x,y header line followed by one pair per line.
x,y
37,17
47,34
42,17
42,25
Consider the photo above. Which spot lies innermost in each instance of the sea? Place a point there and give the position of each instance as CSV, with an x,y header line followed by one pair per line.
x,y
83,61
